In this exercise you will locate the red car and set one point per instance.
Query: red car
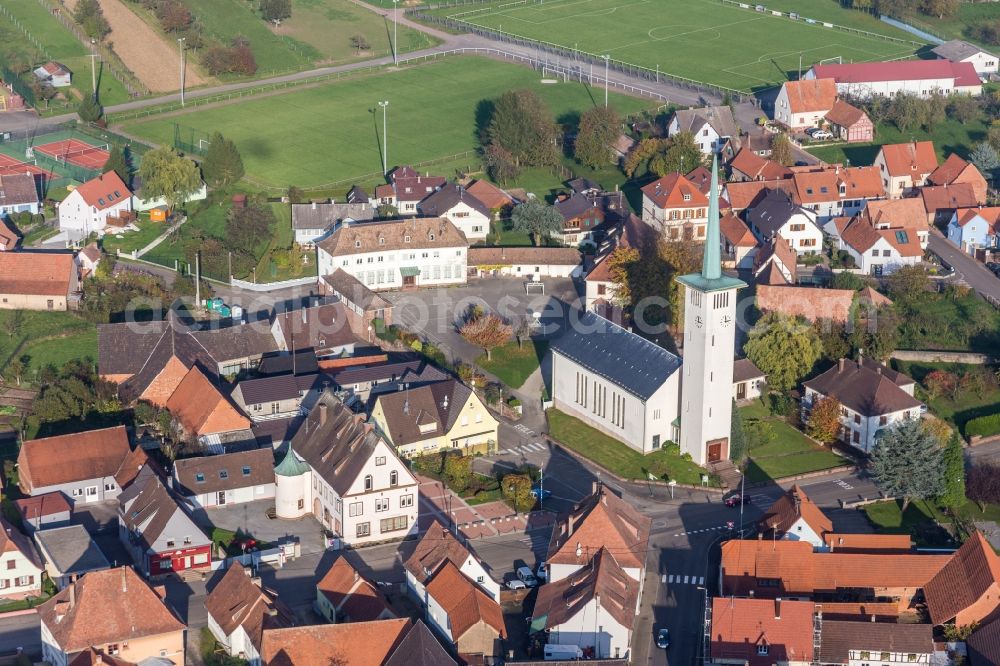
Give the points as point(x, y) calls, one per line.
point(737, 500)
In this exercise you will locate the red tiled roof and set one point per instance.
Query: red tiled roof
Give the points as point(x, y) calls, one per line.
point(899, 70)
point(743, 195)
point(989, 213)
point(40, 506)
point(916, 159)
point(202, 409)
point(352, 594)
point(464, 602)
point(491, 195)
point(947, 197)
point(602, 520)
point(808, 302)
point(792, 506)
point(736, 231)
point(869, 543)
point(741, 626)
point(844, 114)
point(905, 213)
point(344, 644)
point(949, 170)
point(674, 191)
point(779, 249)
point(105, 191)
point(36, 273)
point(238, 601)
point(824, 185)
point(95, 454)
point(810, 95)
point(973, 571)
point(756, 167)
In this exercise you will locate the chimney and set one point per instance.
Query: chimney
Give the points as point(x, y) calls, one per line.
point(72, 595)
point(314, 205)
point(878, 370)
point(777, 608)
point(124, 581)
point(444, 405)
point(322, 413)
point(305, 315)
point(840, 365)
point(99, 658)
point(356, 575)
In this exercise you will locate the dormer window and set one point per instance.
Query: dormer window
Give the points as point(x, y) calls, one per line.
point(101, 201)
point(430, 236)
point(357, 243)
point(687, 197)
point(406, 239)
point(117, 193)
point(246, 470)
point(223, 474)
point(381, 241)
point(199, 477)
point(762, 649)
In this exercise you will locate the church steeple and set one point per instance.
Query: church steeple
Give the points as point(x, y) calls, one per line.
point(711, 266)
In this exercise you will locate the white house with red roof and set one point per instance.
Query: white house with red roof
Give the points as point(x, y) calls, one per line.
point(888, 79)
point(804, 103)
point(905, 166)
point(88, 207)
point(876, 251)
point(20, 565)
point(676, 207)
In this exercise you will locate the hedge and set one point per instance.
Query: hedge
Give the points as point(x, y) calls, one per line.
point(983, 426)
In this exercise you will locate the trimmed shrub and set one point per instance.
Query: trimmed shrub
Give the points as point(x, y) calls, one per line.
point(983, 426)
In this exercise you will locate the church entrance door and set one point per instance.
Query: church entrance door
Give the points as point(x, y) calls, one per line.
point(715, 450)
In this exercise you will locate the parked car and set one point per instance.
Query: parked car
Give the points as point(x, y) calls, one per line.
point(516, 584)
point(525, 576)
point(663, 639)
point(541, 573)
point(540, 493)
point(821, 134)
point(737, 500)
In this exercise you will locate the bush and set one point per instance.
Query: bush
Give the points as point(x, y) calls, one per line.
point(983, 426)
point(514, 402)
point(780, 404)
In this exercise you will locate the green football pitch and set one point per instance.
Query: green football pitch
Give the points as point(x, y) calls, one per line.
point(705, 40)
point(325, 134)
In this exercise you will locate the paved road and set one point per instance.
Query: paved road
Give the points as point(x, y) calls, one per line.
point(967, 269)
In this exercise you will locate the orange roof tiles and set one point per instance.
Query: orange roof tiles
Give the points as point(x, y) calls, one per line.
point(972, 573)
point(95, 454)
point(352, 594)
point(949, 170)
point(202, 409)
point(755, 167)
point(792, 506)
point(906, 213)
point(736, 231)
point(822, 186)
point(491, 195)
point(345, 644)
point(238, 601)
point(109, 606)
point(810, 95)
point(916, 159)
point(989, 213)
point(105, 191)
point(868, 543)
point(464, 602)
point(808, 302)
point(844, 114)
point(602, 520)
point(36, 273)
point(740, 627)
point(947, 197)
point(743, 195)
point(674, 191)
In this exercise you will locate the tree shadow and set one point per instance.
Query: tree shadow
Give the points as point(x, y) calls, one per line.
point(483, 115)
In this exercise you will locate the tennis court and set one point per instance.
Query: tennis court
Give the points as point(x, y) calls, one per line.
point(725, 44)
point(75, 151)
point(10, 166)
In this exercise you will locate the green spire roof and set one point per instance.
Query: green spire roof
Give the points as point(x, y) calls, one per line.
point(711, 265)
point(711, 277)
point(291, 465)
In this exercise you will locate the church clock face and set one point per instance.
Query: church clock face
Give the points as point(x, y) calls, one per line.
point(698, 322)
point(727, 320)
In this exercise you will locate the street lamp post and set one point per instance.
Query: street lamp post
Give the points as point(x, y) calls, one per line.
point(607, 64)
point(385, 140)
point(395, 22)
point(180, 47)
point(743, 482)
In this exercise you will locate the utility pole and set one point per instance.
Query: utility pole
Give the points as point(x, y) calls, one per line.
point(93, 72)
point(800, 67)
point(385, 140)
point(197, 279)
point(395, 21)
point(180, 46)
point(607, 62)
point(743, 483)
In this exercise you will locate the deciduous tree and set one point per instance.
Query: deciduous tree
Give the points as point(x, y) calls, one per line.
point(824, 420)
point(13, 324)
point(940, 383)
point(982, 485)
point(781, 149)
point(167, 174)
point(500, 163)
point(737, 439)
point(599, 128)
point(516, 489)
point(522, 123)
point(908, 284)
point(275, 10)
point(90, 110)
point(906, 463)
point(784, 348)
point(953, 494)
point(223, 164)
point(488, 331)
point(458, 472)
point(537, 219)
point(117, 162)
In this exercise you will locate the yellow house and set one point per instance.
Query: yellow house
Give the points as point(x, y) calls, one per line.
point(435, 417)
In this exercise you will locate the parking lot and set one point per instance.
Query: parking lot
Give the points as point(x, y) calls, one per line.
point(435, 312)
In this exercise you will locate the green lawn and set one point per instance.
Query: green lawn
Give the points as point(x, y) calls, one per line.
point(60, 43)
point(619, 458)
point(947, 323)
point(920, 520)
point(328, 26)
point(790, 452)
point(292, 138)
point(704, 40)
point(231, 541)
point(957, 26)
point(57, 351)
point(964, 405)
point(211, 220)
point(512, 364)
point(36, 327)
point(134, 240)
point(950, 136)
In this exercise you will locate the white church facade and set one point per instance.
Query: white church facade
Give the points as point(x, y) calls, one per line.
point(641, 394)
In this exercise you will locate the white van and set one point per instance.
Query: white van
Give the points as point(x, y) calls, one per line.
point(562, 652)
point(524, 574)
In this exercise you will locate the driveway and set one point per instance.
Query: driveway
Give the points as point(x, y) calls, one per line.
point(966, 268)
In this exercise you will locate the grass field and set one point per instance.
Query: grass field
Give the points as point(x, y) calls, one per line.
point(512, 364)
point(57, 351)
point(46, 337)
point(325, 134)
point(705, 40)
point(964, 405)
point(790, 452)
point(957, 26)
point(60, 43)
point(616, 456)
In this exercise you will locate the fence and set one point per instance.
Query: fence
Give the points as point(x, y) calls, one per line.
point(580, 57)
point(111, 60)
point(825, 24)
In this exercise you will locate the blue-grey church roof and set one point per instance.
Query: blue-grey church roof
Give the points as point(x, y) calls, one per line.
point(619, 356)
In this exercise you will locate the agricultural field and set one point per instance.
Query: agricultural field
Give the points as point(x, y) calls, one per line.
point(705, 40)
point(291, 139)
point(60, 44)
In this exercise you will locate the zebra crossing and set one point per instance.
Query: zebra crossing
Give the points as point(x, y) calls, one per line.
point(534, 447)
point(677, 579)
